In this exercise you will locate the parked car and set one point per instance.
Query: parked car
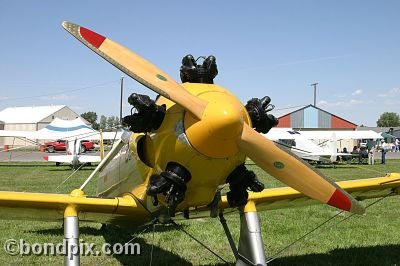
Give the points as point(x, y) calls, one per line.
point(61, 145)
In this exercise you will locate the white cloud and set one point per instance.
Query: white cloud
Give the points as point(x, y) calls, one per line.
point(394, 92)
point(294, 62)
point(353, 101)
point(349, 103)
point(392, 102)
point(341, 95)
point(3, 98)
point(76, 108)
point(357, 92)
point(344, 95)
point(60, 97)
point(314, 60)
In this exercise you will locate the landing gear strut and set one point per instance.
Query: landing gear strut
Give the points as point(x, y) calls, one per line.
point(71, 237)
point(250, 250)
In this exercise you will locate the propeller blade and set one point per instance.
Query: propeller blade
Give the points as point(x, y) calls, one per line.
point(295, 172)
point(137, 68)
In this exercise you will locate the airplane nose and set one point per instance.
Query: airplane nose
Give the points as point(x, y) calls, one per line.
point(224, 120)
point(216, 134)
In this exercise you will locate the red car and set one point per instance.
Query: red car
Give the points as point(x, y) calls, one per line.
point(60, 145)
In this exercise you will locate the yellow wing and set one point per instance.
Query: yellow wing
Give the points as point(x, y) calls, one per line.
point(361, 189)
point(42, 206)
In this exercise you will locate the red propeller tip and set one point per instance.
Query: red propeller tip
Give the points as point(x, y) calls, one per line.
point(91, 37)
point(340, 200)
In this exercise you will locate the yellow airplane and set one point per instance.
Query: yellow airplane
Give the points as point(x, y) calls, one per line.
point(186, 145)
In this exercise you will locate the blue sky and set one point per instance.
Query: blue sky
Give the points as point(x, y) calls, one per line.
point(275, 48)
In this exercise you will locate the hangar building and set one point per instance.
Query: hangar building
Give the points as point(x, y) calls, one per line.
point(31, 118)
point(312, 117)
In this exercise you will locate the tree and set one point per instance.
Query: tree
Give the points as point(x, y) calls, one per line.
point(112, 122)
point(91, 117)
point(388, 119)
point(103, 122)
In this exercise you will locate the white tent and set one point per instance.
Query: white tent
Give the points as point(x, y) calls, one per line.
point(66, 129)
point(62, 129)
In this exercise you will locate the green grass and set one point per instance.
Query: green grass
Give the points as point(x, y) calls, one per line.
point(370, 239)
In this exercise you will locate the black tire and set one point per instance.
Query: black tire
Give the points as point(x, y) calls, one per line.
point(58, 163)
point(50, 149)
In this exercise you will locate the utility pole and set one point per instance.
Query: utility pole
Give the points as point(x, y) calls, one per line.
point(315, 92)
point(120, 104)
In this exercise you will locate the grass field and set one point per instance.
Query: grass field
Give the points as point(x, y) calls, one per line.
point(370, 239)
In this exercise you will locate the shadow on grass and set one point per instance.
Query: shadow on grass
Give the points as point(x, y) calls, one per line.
point(374, 255)
point(347, 166)
point(148, 252)
point(86, 230)
point(68, 168)
point(114, 234)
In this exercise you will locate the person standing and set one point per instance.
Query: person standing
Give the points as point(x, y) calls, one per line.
point(384, 147)
point(371, 156)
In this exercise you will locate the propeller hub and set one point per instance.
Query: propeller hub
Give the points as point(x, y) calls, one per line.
point(216, 134)
point(224, 121)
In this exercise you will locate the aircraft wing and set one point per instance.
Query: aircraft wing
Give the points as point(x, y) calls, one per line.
point(281, 133)
point(51, 207)
point(341, 134)
point(290, 133)
point(93, 136)
point(69, 158)
point(299, 145)
point(59, 158)
point(89, 158)
point(112, 135)
point(361, 189)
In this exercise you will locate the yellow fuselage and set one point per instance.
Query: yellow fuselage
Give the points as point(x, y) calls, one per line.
point(207, 148)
